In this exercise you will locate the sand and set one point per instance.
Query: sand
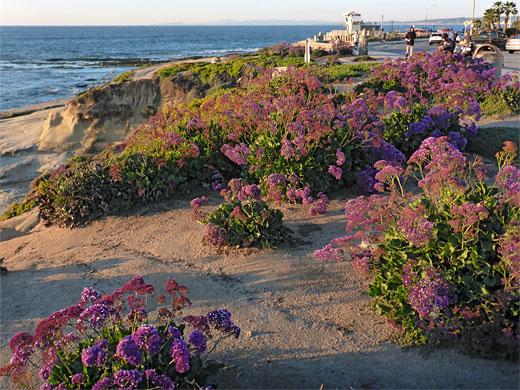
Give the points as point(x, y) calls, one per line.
point(304, 324)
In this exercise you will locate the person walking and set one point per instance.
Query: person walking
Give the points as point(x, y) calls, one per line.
point(410, 40)
point(356, 40)
point(384, 37)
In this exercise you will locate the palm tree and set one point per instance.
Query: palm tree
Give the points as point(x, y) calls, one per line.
point(489, 18)
point(477, 24)
point(509, 9)
point(498, 8)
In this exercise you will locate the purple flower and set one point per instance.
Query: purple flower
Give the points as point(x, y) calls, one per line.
point(236, 185)
point(217, 182)
point(127, 349)
point(275, 180)
point(78, 379)
point(198, 341)
point(237, 154)
point(164, 383)
point(466, 217)
point(127, 379)
point(199, 202)
point(320, 206)
point(47, 386)
point(22, 341)
point(93, 356)
point(161, 381)
point(45, 373)
point(89, 295)
point(181, 356)
point(415, 227)
point(330, 252)
point(173, 333)
point(250, 192)
point(138, 286)
point(104, 384)
point(287, 150)
point(221, 320)
point(436, 133)
point(363, 262)
point(471, 128)
point(291, 194)
point(336, 172)
point(103, 344)
point(147, 337)
point(96, 315)
point(198, 322)
point(213, 236)
point(429, 295)
point(340, 158)
point(419, 127)
point(366, 180)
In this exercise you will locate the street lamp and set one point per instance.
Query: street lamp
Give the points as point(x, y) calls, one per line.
point(426, 17)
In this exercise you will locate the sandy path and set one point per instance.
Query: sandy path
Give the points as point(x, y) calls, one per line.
point(305, 324)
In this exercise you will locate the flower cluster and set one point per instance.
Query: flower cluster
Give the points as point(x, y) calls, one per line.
point(112, 354)
point(453, 246)
point(244, 219)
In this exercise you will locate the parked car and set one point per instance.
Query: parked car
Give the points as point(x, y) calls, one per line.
point(436, 37)
point(513, 44)
point(496, 38)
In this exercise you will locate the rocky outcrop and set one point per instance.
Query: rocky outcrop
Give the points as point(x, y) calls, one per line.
point(112, 112)
point(101, 115)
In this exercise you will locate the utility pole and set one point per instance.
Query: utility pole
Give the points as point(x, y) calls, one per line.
point(472, 19)
point(426, 16)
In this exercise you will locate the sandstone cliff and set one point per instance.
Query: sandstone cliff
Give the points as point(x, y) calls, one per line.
point(111, 112)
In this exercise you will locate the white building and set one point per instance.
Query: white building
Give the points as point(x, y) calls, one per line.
point(354, 22)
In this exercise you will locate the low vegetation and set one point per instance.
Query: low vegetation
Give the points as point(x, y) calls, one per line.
point(442, 258)
point(107, 342)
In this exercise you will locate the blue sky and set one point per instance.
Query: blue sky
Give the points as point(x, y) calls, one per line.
point(146, 12)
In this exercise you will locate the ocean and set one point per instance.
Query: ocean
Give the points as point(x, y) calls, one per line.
point(40, 64)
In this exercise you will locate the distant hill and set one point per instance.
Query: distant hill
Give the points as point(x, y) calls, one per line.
point(286, 22)
point(267, 22)
point(437, 22)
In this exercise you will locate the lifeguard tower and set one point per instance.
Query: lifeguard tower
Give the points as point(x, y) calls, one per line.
point(353, 21)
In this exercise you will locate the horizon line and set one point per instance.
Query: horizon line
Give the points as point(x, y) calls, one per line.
point(234, 23)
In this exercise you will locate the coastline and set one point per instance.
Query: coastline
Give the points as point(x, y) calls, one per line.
point(26, 110)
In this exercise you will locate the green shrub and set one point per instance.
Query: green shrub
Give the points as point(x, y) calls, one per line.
point(407, 127)
point(445, 262)
point(123, 77)
point(244, 219)
point(19, 208)
point(501, 102)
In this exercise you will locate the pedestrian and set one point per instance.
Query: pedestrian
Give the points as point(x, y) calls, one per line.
point(447, 45)
point(356, 40)
point(384, 37)
point(454, 37)
point(410, 40)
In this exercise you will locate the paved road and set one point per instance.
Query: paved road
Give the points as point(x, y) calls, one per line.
point(397, 49)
